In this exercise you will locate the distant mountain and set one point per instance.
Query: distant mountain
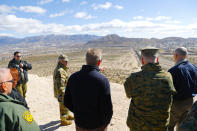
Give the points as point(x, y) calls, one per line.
point(48, 40)
point(115, 40)
point(96, 41)
point(4, 40)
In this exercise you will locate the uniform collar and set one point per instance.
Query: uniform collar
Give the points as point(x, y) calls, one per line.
point(60, 65)
point(151, 67)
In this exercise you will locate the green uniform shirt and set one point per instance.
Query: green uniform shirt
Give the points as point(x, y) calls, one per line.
point(60, 78)
point(151, 91)
point(14, 116)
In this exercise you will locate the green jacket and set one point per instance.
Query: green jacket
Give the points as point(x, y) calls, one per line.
point(151, 91)
point(60, 78)
point(14, 116)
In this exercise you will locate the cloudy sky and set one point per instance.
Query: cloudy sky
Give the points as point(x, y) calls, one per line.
point(129, 18)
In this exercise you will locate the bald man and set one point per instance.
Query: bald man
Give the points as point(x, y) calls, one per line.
point(14, 116)
point(184, 76)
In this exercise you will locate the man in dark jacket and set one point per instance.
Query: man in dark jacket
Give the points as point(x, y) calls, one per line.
point(185, 82)
point(22, 67)
point(88, 95)
point(14, 116)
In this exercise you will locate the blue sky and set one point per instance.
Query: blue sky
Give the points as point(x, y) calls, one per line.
point(129, 18)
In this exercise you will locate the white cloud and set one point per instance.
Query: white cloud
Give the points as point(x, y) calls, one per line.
point(149, 18)
point(42, 2)
point(83, 15)
point(133, 28)
point(57, 15)
point(138, 17)
point(65, 1)
point(60, 13)
point(119, 7)
point(32, 9)
point(83, 3)
point(6, 9)
point(107, 5)
point(173, 22)
point(5, 34)
point(27, 9)
point(158, 18)
point(162, 18)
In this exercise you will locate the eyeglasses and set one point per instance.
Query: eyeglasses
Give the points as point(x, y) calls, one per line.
point(18, 56)
point(7, 81)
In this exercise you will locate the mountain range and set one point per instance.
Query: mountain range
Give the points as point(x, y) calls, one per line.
point(97, 41)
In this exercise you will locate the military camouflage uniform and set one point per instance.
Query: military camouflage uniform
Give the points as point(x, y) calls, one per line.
point(190, 123)
point(60, 79)
point(151, 91)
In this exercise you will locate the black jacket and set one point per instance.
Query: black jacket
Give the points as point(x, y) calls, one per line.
point(88, 96)
point(16, 96)
point(184, 77)
point(26, 66)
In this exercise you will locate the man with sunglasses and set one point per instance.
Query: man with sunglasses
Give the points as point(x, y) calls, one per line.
point(14, 116)
point(22, 67)
point(60, 78)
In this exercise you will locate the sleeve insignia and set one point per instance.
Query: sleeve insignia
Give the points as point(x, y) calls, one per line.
point(28, 117)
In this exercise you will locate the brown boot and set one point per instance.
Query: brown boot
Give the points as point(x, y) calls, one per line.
point(70, 117)
point(66, 122)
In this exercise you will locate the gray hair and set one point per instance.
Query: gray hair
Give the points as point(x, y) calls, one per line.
point(93, 56)
point(182, 51)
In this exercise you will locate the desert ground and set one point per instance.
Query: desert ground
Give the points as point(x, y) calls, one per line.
point(117, 63)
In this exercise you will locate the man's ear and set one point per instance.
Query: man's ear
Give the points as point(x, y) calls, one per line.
point(99, 62)
point(3, 87)
point(142, 59)
point(157, 60)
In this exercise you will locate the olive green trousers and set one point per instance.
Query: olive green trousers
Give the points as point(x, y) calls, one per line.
point(22, 89)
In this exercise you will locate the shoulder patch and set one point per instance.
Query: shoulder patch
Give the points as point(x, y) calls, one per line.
point(28, 117)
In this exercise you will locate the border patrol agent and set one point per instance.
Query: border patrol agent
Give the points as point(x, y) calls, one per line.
point(14, 116)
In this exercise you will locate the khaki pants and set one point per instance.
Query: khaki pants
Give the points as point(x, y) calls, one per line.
point(179, 112)
point(103, 128)
point(22, 89)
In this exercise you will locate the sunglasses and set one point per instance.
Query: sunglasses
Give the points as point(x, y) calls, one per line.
point(18, 56)
point(7, 81)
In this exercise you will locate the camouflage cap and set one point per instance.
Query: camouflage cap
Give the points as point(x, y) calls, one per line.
point(149, 51)
point(63, 57)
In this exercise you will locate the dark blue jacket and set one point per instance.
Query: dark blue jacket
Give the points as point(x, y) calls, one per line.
point(88, 96)
point(185, 79)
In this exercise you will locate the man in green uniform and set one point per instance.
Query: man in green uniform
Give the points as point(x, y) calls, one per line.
point(60, 78)
point(151, 93)
point(14, 116)
point(190, 123)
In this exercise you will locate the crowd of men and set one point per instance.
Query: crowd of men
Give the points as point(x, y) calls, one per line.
point(160, 100)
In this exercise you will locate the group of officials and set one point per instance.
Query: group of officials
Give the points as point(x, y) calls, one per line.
point(159, 100)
